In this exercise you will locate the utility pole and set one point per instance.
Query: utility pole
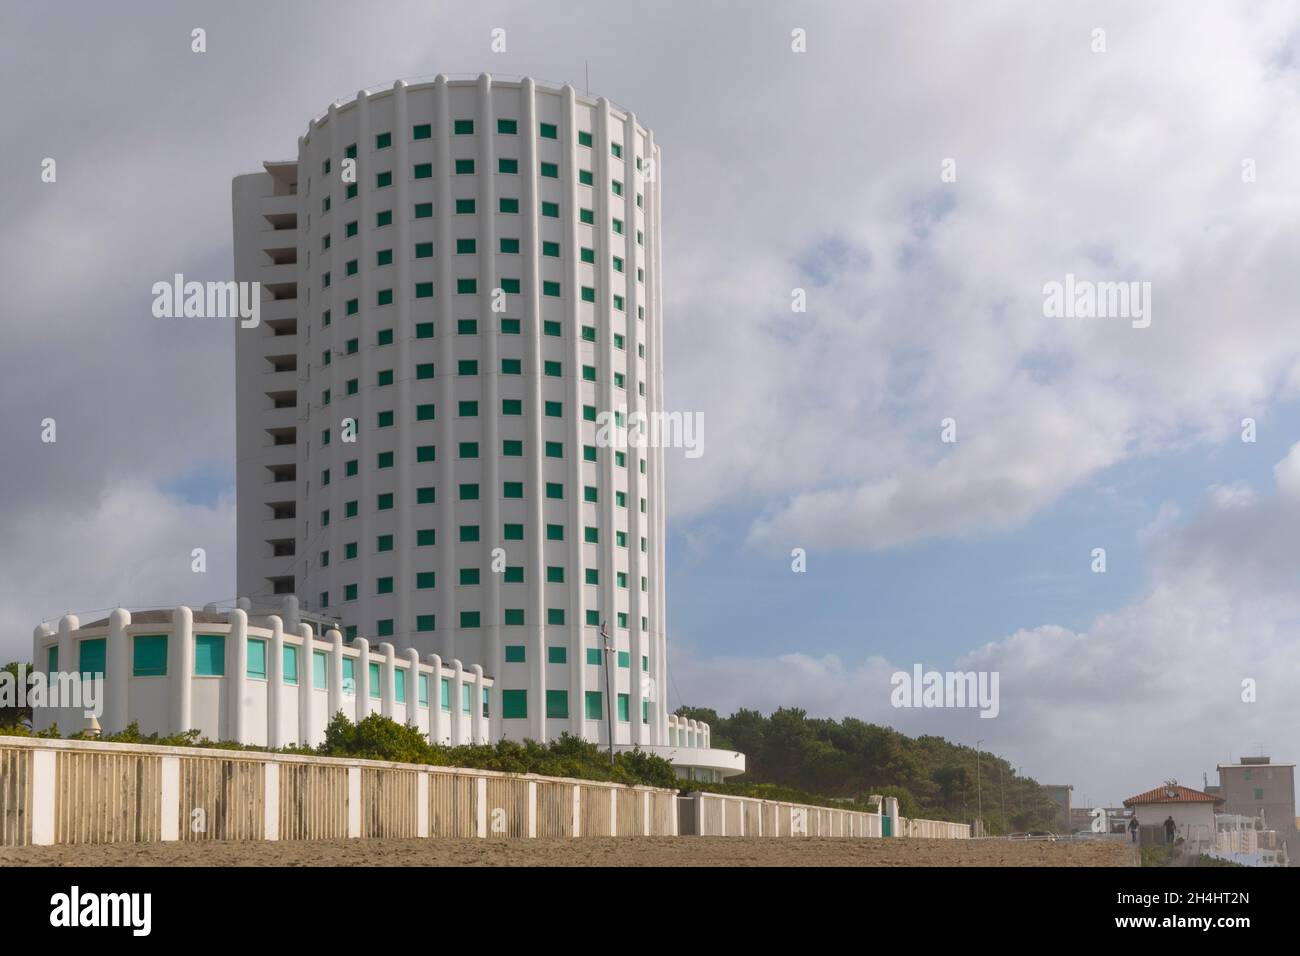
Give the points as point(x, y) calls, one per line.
point(609, 693)
point(979, 793)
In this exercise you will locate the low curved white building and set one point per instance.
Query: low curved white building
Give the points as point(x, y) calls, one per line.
point(267, 681)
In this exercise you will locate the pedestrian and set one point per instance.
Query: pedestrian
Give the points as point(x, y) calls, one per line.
point(1133, 828)
point(1170, 829)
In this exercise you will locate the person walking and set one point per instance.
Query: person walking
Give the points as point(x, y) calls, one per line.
point(1133, 828)
point(1170, 829)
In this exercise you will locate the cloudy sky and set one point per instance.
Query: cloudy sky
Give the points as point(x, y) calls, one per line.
point(818, 171)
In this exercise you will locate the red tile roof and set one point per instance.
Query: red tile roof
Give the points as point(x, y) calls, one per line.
point(1173, 795)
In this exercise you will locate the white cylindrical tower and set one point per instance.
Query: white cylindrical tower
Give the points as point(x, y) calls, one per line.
point(478, 294)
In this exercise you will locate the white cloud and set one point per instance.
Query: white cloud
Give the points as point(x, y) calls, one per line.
point(131, 546)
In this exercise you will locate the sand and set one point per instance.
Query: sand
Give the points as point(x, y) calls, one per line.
point(624, 851)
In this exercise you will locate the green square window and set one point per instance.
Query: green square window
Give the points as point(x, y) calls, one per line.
point(469, 618)
point(425, 537)
point(256, 660)
point(466, 286)
point(422, 131)
point(510, 286)
point(385, 419)
point(555, 532)
point(464, 207)
point(209, 656)
point(467, 326)
point(512, 366)
point(349, 592)
point(555, 616)
point(383, 180)
point(584, 139)
point(384, 542)
point(587, 255)
point(425, 622)
point(551, 210)
point(149, 655)
point(557, 701)
point(462, 127)
point(593, 655)
point(595, 705)
point(507, 127)
point(424, 580)
point(384, 377)
point(424, 210)
point(555, 489)
point(585, 177)
point(551, 328)
point(467, 367)
point(514, 704)
point(507, 166)
point(468, 492)
point(422, 171)
point(349, 552)
point(557, 655)
point(514, 575)
point(551, 289)
point(466, 247)
point(509, 326)
point(590, 535)
point(508, 205)
point(551, 249)
point(425, 496)
point(513, 532)
point(552, 369)
point(350, 230)
point(624, 659)
point(424, 413)
point(514, 652)
point(555, 574)
point(468, 449)
point(510, 246)
point(623, 707)
point(548, 131)
point(512, 406)
point(384, 218)
point(591, 576)
point(399, 685)
point(512, 448)
point(512, 489)
point(383, 140)
point(469, 532)
point(550, 170)
point(384, 502)
point(587, 217)
point(464, 167)
point(555, 449)
point(384, 586)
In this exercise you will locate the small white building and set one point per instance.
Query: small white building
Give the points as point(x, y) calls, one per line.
point(1192, 812)
point(259, 680)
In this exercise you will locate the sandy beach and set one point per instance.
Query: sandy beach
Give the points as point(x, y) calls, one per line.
point(624, 851)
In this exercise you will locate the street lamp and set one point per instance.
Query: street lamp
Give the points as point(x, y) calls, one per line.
point(979, 793)
point(609, 693)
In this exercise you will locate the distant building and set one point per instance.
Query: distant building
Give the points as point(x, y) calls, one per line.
point(1192, 811)
point(1059, 794)
point(1256, 787)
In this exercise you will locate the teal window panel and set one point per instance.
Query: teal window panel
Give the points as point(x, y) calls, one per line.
point(399, 685)
point(256, 660)
point(209, 655)
point(91, 656)
point(374, 681)
point(514, 704)
point(149, 655)
point(349, 676)
point(319, 671)
point(290, 662)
